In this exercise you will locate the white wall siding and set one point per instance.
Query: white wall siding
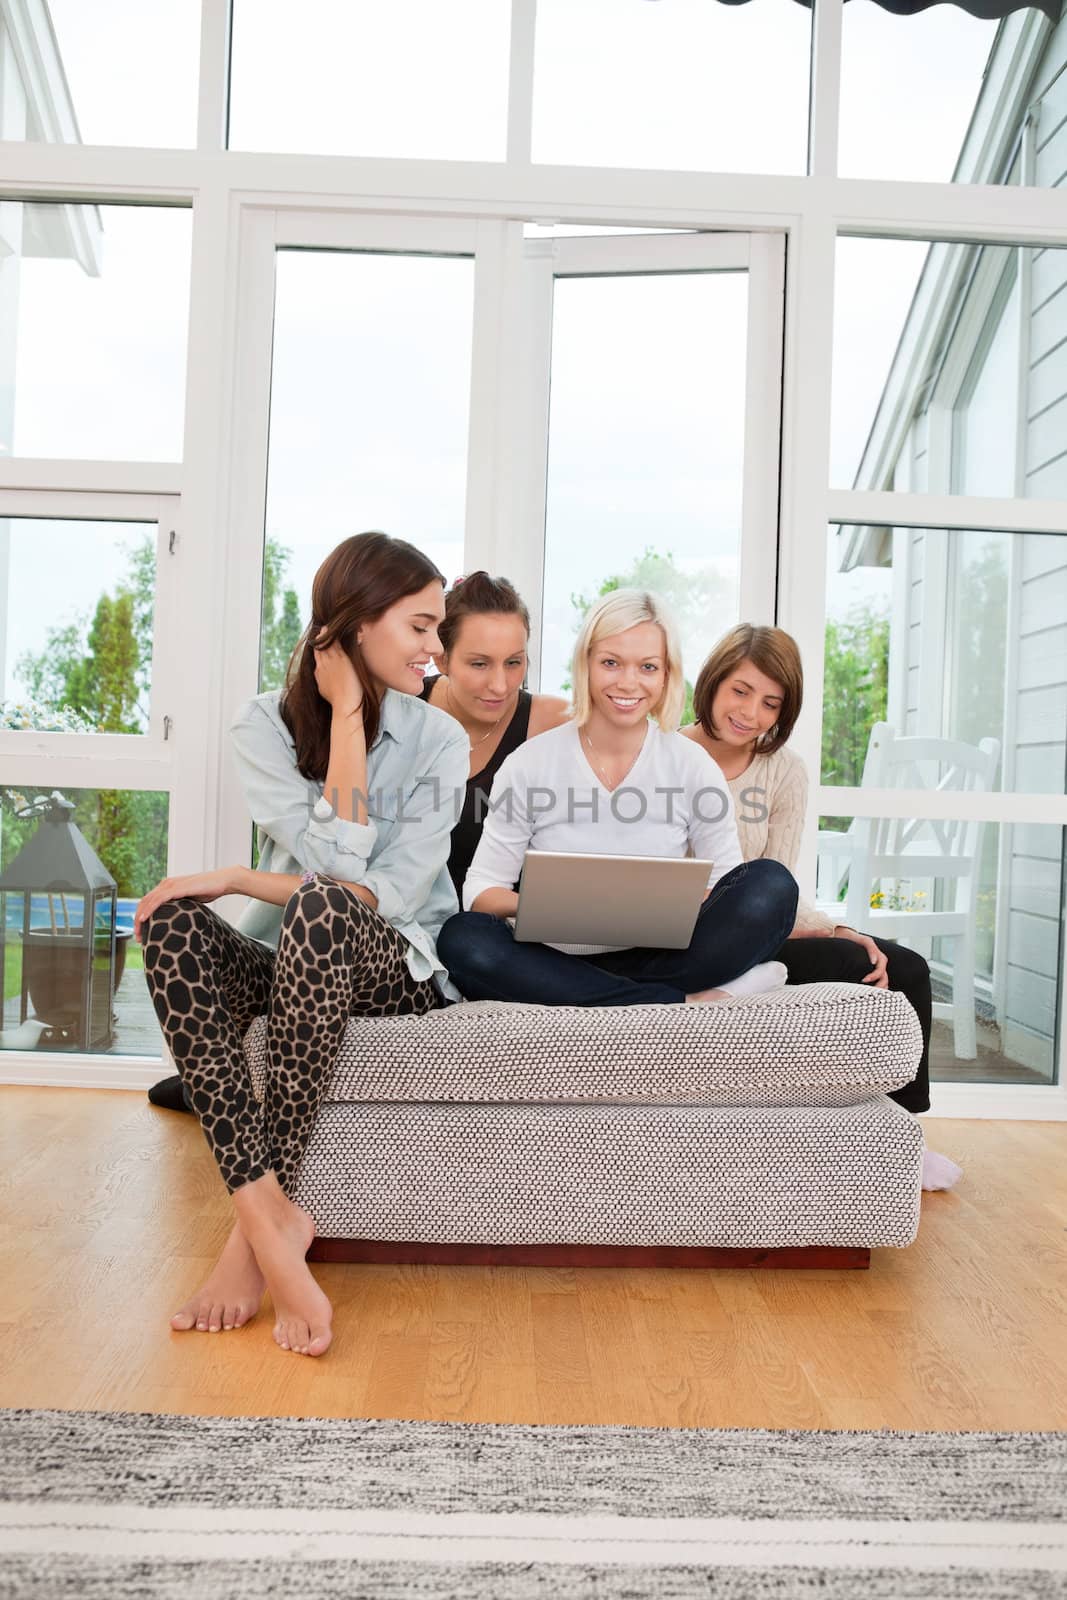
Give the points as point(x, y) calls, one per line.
point(1030, 890)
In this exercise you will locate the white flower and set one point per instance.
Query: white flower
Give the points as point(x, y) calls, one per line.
point(32, 714)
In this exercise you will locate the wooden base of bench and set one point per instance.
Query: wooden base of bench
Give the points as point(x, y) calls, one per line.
point(586, 1255)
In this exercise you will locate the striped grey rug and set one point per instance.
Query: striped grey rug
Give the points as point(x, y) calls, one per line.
point(107, 1506)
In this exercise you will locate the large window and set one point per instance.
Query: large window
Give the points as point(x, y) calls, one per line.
point(620, 83)
point(358, 78)
point(76, 622)
point(582, 292)
point(94, 309)
point(370, 394)
point(937, 349)
point(646, 453)
point(983, 903)
point(957, 635)
point(94, 687)
point(958, 119)
point(73, 866)
point(99, 71)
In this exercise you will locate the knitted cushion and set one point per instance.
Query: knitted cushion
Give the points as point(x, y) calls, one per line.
point(819, 1044)
point(637, 1175)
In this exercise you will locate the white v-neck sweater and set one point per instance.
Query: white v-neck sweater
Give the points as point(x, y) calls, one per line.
point(674, 801)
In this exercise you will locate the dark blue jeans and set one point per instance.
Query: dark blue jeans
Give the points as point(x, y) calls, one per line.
point(745, 920)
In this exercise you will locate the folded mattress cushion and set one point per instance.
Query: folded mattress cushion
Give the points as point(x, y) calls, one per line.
point(819, 1044)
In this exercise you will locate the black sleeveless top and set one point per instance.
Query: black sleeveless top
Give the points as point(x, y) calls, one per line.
point(468, 829)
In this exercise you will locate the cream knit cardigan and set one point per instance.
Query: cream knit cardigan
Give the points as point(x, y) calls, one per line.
point(770, 798)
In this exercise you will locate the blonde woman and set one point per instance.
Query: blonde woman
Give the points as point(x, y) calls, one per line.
point(621, 740)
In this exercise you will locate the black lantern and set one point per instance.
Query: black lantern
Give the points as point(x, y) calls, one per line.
point(67, 929)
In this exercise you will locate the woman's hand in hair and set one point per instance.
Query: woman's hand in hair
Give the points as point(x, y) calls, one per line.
point(337, 680)
point(878, 975)
point(193, 886)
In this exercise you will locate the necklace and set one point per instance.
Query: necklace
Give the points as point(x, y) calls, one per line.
point(474, 742)
point(600, 769)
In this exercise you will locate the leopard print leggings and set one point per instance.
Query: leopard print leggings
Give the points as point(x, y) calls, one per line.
point(336, 958)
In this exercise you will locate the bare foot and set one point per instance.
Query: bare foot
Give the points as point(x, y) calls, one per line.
point(706, 997)
point(280, 1234)
point(231, 1295)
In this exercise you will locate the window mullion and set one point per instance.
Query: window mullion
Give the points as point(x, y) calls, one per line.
point(521, 81)
point(824, 107)
point(213, 103)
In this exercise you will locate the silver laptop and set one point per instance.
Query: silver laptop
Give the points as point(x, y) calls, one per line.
point(566, 898)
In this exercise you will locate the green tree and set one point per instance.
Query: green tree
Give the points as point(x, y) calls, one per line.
point(855, 693)
point(99, 666)
point(141, 583)
point(95, 674)
point(106, 687)
point(282, 626)
point(46, 675)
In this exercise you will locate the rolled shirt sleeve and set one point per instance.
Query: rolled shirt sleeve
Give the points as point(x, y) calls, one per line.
point(282, 802)
point(405, 869)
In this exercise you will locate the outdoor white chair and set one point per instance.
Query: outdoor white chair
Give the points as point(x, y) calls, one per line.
point(941, 855)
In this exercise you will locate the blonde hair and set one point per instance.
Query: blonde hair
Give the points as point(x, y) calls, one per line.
point(618, 611)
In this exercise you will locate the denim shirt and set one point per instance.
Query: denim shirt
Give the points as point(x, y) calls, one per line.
point(416, 768)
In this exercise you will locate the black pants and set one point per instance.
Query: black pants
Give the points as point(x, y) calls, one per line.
point(738, 926)
point(844, 961)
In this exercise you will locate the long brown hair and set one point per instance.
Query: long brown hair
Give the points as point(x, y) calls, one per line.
point(356, 583)
point(774, 652)
point(479, 595)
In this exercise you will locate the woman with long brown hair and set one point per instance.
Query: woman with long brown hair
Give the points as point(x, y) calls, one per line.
point(350, 779)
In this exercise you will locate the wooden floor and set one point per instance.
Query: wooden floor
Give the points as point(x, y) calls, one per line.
point(112, 1213)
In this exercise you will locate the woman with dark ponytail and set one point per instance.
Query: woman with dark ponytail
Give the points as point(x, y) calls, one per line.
point(483, 663)
point(351, 781)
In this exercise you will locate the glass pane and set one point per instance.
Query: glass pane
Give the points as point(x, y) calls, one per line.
point(94, 310)
point(963, 114)
point(982, 902)
point(76, 612)
point(646, 444)
point(68, 986)
point(109, 72)
point(948, 636)
point(411, 78)
point(370, 399)
point(986, 411)
point(936, 348)
point(682, 84)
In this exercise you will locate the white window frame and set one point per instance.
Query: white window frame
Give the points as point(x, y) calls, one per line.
point(265, 231)
point(225, 189)
point(520, 546)
point(166, 759)
point(154, 748)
